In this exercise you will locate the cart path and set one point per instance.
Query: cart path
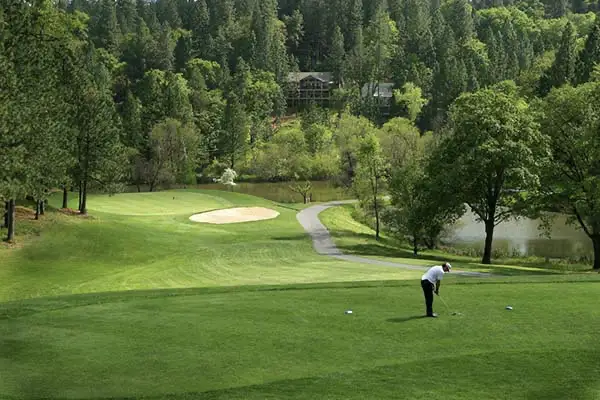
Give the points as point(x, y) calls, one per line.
point(323, 243)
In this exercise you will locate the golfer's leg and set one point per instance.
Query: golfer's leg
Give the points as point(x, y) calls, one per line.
point(428, 292)
point(431, 290)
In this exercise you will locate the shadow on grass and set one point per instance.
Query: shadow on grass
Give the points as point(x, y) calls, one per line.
point(290, 238)
point(406, 319)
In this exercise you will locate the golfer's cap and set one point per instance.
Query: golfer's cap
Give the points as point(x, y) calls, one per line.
point(448, 265)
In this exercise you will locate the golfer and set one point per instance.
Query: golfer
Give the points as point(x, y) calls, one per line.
point(430, 282)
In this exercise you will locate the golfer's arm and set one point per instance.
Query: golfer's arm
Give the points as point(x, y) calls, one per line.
point(437, 286)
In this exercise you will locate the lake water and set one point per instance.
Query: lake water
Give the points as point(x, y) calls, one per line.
point(523, 237)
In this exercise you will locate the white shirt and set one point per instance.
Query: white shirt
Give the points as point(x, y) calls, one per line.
point(434, 274)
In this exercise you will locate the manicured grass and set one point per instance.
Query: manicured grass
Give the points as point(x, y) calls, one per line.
point(114, 252)
point(217, 330)
point(352, 237)
point(158, 203)
point(297, 343)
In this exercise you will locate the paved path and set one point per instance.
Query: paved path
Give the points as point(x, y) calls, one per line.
point(323, 243)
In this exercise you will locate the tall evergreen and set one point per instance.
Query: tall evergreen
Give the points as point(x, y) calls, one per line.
point(127, 15)
point(168, 11)
point(183, 51)
point(337, 55)
point(562, 70)
point(511, 49)
point(355, 23)
point(589, 55)
point(105, 31)
point(200, 28)
point(458, 14)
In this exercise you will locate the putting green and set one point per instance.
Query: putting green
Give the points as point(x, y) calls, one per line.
point(298, 344)
point(154, 204)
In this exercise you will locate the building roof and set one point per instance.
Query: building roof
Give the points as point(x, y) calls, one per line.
point(299, 76)
point(385, 89)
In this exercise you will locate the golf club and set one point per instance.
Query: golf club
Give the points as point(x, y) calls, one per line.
point(448, 308)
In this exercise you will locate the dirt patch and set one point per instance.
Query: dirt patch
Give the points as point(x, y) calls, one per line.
point(235, 215)
point(23, 213)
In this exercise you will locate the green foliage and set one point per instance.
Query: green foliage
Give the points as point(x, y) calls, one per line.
point(370, 180)
point(495, 152)
point(174, 153)
point(417, 211)
point(563, 69)
point(571, 180)
point(411, 98)
point(589, 56)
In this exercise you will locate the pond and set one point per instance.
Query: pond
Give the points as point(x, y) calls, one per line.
point(522, 237)
point(280, 191)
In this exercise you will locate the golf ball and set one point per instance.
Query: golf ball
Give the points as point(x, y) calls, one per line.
point(348, 311)
point(508, 307)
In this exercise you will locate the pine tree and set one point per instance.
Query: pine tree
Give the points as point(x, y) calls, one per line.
point(131, 120)
point(357, 61)
point(526, 52)
point(138, 52)
point(127, 15)
point(164, 58)
point(438, 32)
point(355, 22)
point(183, 51)
point(457, 14)
point(167, 11)
point(337, 55)
point(235, 136)
point(262, 28)
point(557, 8)
point(497, 56)
point(105, 29)
point(177, 98)
point(200, 28)
point(562, 70)
point(511, 48)
point(589, 55)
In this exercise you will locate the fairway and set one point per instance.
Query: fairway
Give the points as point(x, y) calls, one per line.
point(142, 303)
point(115, 252)
point(298, 343)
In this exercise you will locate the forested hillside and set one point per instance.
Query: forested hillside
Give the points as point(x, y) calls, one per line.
point(100, 94)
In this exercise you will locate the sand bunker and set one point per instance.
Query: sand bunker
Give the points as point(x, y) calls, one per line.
point(234, 215)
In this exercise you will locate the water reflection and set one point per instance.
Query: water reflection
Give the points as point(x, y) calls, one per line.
point(522, 237)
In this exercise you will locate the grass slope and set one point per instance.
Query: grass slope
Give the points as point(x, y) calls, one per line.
point(116, 251)
point(352, 237)
point(156, 203)
point(298, 343)
point(270, 342)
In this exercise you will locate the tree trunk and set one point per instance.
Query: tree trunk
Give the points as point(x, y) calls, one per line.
point(37, 210)
point(11, 221)
point(42, 207)
point(376, 219)
point(65, 202)
point(489, 238)
point(83, 208)
point(415, 246)
point(596, 242)
point(5, 215)
point(80, 195)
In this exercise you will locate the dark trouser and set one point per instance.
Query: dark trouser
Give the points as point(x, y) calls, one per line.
point(428, 292)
